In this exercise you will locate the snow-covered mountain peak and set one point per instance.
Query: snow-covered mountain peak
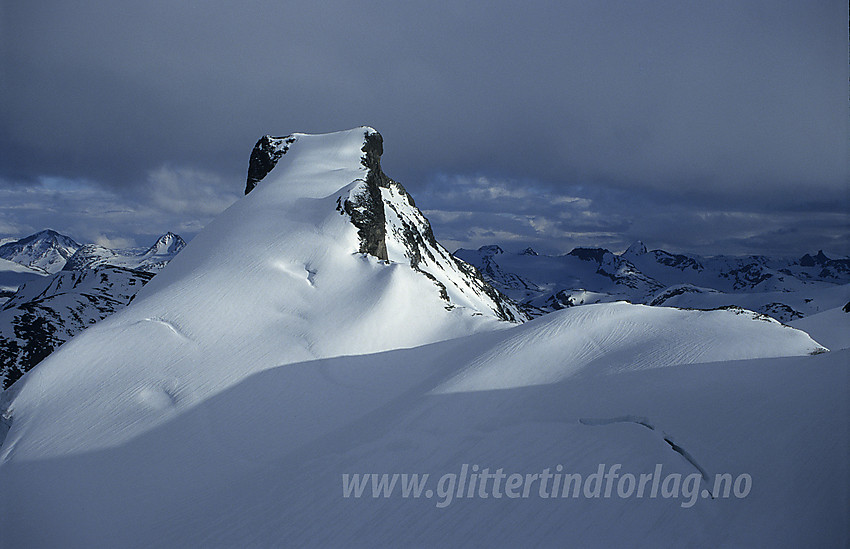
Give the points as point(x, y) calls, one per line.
point(168, 244)
point(818, 259)
point(347, 165)
point(636, 249)
point(45, 250)
point(491, 250)
point(283, 276)
point(311, 154)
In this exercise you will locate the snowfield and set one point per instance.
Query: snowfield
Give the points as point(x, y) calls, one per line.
point(13, 276)
point(831, 327)
point(224, 405)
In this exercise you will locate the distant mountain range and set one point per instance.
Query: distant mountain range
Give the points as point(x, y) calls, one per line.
point(784, 289)
point(151, 259)
point(54, 288)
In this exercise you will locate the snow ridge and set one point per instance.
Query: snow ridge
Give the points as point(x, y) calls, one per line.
point(152, 259)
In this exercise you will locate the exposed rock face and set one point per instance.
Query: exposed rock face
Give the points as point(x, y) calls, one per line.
point(677, 290)
point(366, 208)
point(678, 261)
point(748, 276)
point(830, 269)
point(264, 157)
point(590, 254)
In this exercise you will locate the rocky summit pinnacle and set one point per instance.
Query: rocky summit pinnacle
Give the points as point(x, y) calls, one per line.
point(389, 225)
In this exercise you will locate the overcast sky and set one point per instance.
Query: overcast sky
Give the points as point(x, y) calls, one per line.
point(712, 127)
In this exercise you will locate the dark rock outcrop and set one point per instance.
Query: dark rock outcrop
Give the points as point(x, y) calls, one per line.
point(264, 157)
point(366, 209)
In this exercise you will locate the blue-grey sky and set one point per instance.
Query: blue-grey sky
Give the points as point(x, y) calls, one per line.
point(713, 127)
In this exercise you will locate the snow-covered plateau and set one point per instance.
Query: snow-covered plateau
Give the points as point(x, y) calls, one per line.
point(235, 398)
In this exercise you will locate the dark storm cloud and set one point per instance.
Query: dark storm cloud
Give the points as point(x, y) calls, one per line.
point(694, 108)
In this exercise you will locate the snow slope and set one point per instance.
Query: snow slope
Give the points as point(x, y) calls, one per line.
point(616, 337)
point(260, 463)
point(831, 328)
point(14, 275)
point(223, 405)
point(275, 279)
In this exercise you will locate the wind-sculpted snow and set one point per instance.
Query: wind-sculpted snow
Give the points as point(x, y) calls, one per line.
point(619, 337)
point(273, 355)
point(268, 452)
point(831, 327)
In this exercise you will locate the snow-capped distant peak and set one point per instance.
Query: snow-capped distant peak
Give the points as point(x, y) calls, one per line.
point(819, 259)
point(45, 250)
point(528, 251)
point(151, 260)
point(167, 244)
point(491, 250)
point(637, 248)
